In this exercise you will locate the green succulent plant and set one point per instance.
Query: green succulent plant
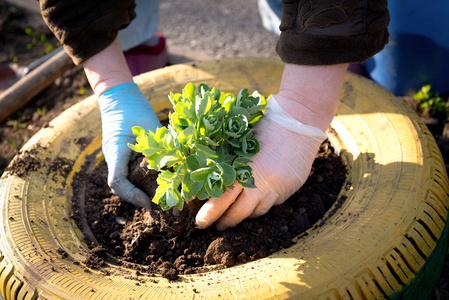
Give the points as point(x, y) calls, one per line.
point(206, 147)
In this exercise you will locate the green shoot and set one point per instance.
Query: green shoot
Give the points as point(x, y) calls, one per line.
point(42, 111)
point(437, 106)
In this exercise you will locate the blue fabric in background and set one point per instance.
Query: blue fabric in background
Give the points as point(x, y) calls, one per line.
point(418, 51)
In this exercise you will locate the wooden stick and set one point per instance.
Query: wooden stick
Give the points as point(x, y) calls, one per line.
point(33, 83)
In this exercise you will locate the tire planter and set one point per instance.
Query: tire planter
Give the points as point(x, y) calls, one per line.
point(387, 240)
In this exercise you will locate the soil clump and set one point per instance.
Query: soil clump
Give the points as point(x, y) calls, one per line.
point(168, 242)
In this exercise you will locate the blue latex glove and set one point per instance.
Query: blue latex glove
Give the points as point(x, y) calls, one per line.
point(123, 107)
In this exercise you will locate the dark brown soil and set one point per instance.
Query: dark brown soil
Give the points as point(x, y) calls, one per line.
point(154, 240)
point(21, 48)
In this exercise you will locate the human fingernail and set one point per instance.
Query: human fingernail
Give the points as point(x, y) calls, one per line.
point(201, 223)
point(222, 227)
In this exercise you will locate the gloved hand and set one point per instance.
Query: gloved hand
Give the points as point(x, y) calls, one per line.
point(288, 149)
point(123, 107)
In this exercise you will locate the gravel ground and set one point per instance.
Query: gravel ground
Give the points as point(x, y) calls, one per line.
point(215, 29)
point(206, 29)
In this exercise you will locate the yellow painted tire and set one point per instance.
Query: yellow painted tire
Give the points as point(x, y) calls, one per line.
point(378, 244)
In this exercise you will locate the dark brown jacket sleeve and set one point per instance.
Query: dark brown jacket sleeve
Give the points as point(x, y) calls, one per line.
point(323, 32)
point(85, 27)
